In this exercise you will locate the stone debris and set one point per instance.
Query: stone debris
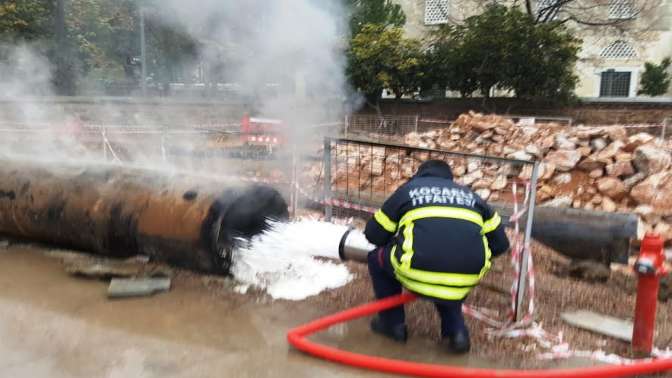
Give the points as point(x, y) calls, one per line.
point(137, 287)
point(606, 325)
point(627, 171)
point(82, 265)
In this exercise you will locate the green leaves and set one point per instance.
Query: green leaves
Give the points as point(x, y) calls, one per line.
point(501, 48)
point(25, 20)
point(656, 79)
point(377, 12)
point(381, 57)
point(504, 48)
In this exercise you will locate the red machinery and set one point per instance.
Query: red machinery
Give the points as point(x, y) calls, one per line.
point(262, 133)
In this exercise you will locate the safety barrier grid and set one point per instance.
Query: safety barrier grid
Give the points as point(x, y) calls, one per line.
point(387, 126)
point(531, 120)
point(380, 126)
point(361, 174)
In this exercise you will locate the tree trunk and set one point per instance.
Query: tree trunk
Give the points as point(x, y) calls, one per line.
point(64, 75)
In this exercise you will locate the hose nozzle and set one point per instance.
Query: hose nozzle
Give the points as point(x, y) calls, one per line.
point(354, 246)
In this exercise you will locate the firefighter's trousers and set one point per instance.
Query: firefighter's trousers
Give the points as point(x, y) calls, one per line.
point(385, 284)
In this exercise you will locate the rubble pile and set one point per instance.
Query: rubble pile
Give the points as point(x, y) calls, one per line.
point(601, 168)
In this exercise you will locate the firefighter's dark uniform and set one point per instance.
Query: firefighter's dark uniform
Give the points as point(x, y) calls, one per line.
point(436, 239)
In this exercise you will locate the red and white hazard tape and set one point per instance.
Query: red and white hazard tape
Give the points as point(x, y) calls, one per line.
point(108, 146)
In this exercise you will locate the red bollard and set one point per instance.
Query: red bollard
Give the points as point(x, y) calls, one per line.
point(649, 267)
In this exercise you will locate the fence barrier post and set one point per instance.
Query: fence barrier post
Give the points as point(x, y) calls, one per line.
point(328, 211)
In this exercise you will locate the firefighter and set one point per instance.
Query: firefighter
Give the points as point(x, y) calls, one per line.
point(435, 238)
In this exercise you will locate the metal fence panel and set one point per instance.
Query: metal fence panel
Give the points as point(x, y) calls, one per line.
point(360, 174)
point(380, 126)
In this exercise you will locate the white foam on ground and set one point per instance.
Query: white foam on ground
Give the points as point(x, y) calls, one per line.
point(282, 261)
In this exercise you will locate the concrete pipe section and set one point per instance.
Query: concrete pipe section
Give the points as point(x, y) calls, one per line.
point(120, 212)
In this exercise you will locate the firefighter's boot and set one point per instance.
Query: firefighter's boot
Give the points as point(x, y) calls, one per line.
point(395, 332)
point(458, 343)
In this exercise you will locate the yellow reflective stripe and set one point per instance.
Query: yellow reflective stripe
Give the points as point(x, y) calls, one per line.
point(442, 212)
point(407, 247)
point(385, 221)
point(434, 291)
point(492, 223)
point(488, 256)
point(436, 278)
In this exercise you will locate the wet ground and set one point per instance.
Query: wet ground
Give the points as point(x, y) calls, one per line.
point(55, 325)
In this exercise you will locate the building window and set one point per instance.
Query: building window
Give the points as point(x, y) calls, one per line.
point(619, 50)
point(621, 9)
point(436, 12)
point(615, 83)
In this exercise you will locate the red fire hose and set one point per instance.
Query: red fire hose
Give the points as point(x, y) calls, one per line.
point(297, 338)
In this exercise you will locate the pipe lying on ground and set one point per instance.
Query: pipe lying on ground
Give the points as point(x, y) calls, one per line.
point(581, 234)
point(120, 212)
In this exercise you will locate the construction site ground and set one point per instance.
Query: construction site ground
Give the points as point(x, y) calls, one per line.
point(57, 325)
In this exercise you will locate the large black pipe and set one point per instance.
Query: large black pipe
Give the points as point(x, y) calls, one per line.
point(582, 234)
point(117, 211)
point(578, 233)
point(575, 233)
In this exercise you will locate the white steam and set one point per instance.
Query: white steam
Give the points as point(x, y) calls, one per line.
point(288, 54)
point(285, 56)
point(24, 72)
point(28, 127)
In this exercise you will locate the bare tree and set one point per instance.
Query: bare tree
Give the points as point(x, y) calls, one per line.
point(630, 15)
point(592, 13)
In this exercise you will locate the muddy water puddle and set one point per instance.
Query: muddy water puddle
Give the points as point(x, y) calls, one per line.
point(54, 325)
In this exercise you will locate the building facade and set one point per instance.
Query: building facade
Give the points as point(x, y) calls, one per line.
point(612, 56)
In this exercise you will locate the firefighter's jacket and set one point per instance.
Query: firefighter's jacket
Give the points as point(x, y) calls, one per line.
point(439, 236)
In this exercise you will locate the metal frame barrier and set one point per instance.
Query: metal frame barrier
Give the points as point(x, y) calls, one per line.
point(380, 125)
point(370, 159)
point(566, 121)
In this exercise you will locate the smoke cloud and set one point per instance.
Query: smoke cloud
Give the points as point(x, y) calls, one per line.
point(28, 127)
point(285, 58)
point(286, 54)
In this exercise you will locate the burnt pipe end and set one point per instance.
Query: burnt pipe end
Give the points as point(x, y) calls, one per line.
point(240, 214)
point(248, 215)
